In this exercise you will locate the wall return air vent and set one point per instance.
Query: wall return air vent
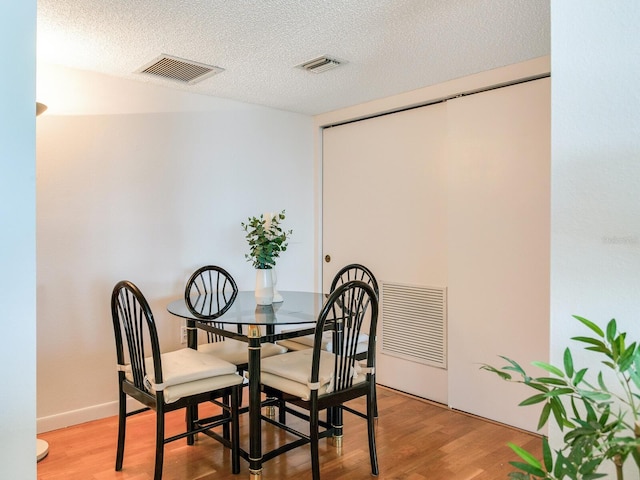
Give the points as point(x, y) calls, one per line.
point(414, 323)
point(179, 69)
point(320, 64)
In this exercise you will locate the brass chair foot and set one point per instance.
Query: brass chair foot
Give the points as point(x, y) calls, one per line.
point(270, 412)
point(337, 441)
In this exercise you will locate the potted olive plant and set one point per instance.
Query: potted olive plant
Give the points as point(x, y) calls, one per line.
point(266, 240)
point(600, 423)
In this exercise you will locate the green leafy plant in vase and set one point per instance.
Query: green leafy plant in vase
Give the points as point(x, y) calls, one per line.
point(267, 239)
point(600, 423)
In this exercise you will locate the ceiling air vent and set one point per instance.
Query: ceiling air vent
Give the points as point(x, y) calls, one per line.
point(320, 64)
point(179, 69)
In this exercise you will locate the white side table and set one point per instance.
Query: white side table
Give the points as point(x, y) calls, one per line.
point(42, 448)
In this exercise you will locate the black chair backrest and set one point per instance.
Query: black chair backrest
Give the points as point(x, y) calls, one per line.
point(209, 293)
point(355, 271)
point(133, 322)
point(346, 309)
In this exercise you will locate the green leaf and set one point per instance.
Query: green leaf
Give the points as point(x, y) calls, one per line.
point(500, 373)
point(549, 368)
point(537, 386)
point(519, 476)
point(559, 391)
point(636, 456)
point(546, 455)
point(611, 330)
point(544, 415)
point(601, 382)
point(603, 350)
point(579, 376)
point(541, 397)
point(551, 381)
point(591, 341)
point(559, 413)
point(576, 413)
point(526, 456)
point(525, 467)
point(617, 347)
point(596, 329)
point(627, 357)
point(595, 396)
point(635, 376)
point(591, 413)
point(560, 470)
point(568, 363)
point(605, 416)
point(514, 366)
point(588, 469)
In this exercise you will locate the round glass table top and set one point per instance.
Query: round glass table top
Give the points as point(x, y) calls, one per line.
point(296, 308)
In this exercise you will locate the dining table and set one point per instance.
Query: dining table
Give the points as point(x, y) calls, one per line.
point(258, 324)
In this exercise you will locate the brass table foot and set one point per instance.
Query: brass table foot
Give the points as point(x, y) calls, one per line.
point(255, 474)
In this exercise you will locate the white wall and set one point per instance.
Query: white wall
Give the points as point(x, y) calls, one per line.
point(17, 241)
point(148, 186)
point(595, 241)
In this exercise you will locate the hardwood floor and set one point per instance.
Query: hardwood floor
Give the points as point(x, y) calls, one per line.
point(417, 440)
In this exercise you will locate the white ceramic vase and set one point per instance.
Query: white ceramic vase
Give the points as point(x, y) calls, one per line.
point(277, 298)
point(264, 286)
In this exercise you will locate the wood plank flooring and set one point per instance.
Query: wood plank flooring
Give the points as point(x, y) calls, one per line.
point(417, 440)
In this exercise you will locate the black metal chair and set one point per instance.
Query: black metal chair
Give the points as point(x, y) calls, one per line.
point(209, 293)
point(354, 271)
point(170, 381)
point(315, 379)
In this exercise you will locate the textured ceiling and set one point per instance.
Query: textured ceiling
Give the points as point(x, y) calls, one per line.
point(391, 46)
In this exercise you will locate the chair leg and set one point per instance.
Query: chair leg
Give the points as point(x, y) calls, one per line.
point(159, 442)
point(236, 395)
point(371, 408)
point(191, 416)
point(337, 425)
point(225, 427)
point(282, 412)
point(122, 426)
point(314, 440)
point(190, 419)
point(375, 402)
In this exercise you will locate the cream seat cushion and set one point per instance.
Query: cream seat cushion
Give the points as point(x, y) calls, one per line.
point(291, 373)
point(306, 341)
point(188, 372)
point(237, 352)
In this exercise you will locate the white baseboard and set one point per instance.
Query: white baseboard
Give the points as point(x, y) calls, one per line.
point(82, 415)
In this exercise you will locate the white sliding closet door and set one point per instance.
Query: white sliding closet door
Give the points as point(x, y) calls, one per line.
point(499, 237)
point(453, 195)
point(384, 205)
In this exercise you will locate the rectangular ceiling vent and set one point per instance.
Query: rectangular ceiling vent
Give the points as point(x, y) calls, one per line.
point(179, 69)
point(320, 64)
